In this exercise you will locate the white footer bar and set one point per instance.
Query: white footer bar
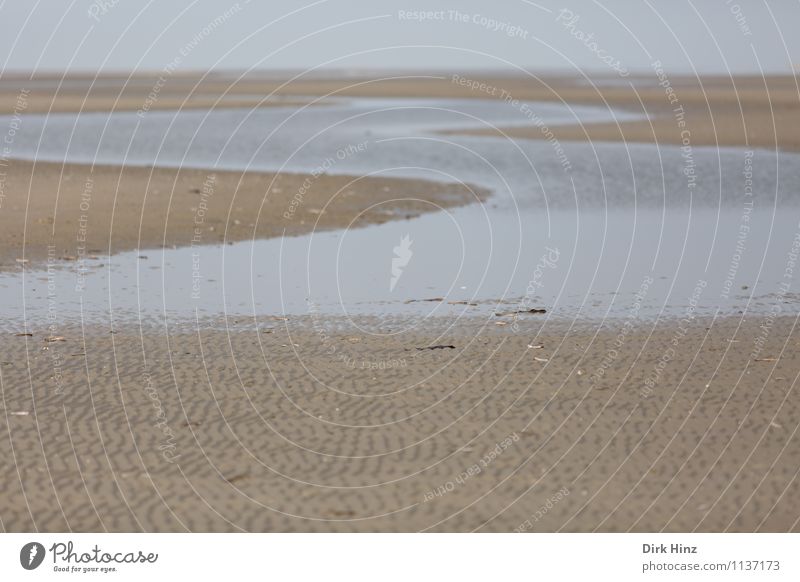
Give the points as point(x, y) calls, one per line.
point(406, 557)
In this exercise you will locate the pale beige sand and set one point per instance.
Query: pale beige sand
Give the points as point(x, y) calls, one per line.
point(270, 431)
point(738, 110)
point(105, 209)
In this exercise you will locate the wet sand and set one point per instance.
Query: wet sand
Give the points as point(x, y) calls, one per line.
point(293, 426)
point(725, 111)
point(740, 111)
point(72, 210)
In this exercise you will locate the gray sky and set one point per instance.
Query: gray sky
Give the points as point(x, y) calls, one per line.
point(627, 35)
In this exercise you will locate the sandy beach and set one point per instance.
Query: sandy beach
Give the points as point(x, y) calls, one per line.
point(313, 423)
point(277, 426)
point(718, 110)
point(79, 209)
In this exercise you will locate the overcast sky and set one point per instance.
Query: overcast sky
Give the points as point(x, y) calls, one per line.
point(626, 35)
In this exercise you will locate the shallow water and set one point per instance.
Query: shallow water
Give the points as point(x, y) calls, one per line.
point(639, 264)
point(581, 229)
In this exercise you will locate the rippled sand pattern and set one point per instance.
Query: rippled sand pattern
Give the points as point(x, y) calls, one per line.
point(286, 426)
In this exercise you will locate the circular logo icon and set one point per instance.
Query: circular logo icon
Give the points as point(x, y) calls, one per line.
point(31, 555)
